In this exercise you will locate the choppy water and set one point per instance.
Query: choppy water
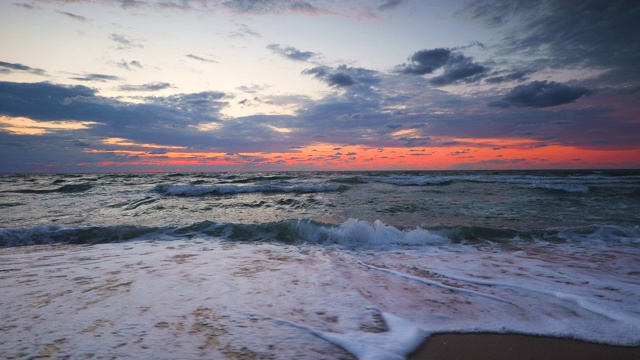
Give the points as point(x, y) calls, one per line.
point(603, 206)
point(540, 252)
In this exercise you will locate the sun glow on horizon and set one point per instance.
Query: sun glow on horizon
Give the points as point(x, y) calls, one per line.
point(473, 154)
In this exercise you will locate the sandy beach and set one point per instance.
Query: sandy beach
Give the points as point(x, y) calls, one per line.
point(517, 347)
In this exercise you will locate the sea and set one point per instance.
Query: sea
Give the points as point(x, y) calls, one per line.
point(313, 265)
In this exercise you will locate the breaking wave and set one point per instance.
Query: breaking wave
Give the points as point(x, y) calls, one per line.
point(351, 234)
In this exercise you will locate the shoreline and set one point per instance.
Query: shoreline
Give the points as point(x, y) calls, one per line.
point(477, 346)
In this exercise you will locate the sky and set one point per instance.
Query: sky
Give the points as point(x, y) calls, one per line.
point(262, 85)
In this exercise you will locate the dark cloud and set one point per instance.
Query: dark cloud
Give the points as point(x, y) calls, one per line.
point(96, 77)
point(456, 66)
point(169, 120)
point(425, 61)
point(459, 67)
point(9, 67)
point(129, 65)
point(203, 104)
point(495, 13)
point(291, 53)
point(541, 94)
point(391, 4)
point(194, 57)
point(344, 76)
point(156, 86)
point(73, 16)
point(46, 101)
point(40, 101)
point(513, 76)
point(602, 35)
point(124, 41)
point(338, 79)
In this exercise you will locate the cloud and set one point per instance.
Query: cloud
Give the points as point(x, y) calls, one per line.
point(459, 67)
point(125, 4)
point(73, 16)
point(252, 89)
point(10, 67)
point(168, 120)
point(596, 34)
point(47, 101)
point(244, 31)
point(183, 5)
point(26, 6)
point(155, 86)
point(194, 57)
point(291, 53)
point(129, 65)
point(512, 76)
point(343, 76)
point(269, 6)
point(391, 4)
point(125, 42)
point(541, 94)
point(26, 126)
point(425, 61)
point(196, 103)
point(191, 121)
point(456, 66)
point(96, 77)
point(39, 101)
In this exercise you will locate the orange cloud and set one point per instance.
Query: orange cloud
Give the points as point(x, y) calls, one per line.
point(26, 126)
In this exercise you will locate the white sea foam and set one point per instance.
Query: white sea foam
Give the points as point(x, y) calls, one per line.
point(200, 298)
point(360, 234)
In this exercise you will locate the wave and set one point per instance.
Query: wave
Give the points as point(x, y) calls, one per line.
point(8, 205)
point(200, 190)
point(68, 189)
point(54, 234)
point(570, 188)
point(354, 180)
point(573, 184)
point(413, 180)
point(254, 179)
point(351, 234)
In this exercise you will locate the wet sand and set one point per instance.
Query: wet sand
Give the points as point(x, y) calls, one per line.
point(517, 347)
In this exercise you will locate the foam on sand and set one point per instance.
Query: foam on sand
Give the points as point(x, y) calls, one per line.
point(197, 298)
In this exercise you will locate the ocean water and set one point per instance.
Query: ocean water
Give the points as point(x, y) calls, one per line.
point(313, 264)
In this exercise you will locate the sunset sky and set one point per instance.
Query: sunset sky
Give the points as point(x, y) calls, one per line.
point(237, 85)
